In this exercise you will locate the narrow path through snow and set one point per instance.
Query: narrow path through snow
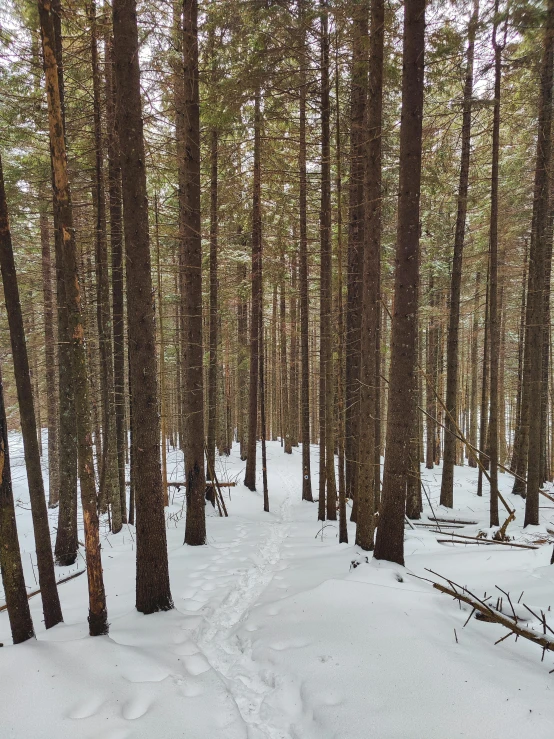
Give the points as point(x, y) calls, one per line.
point(227, 653)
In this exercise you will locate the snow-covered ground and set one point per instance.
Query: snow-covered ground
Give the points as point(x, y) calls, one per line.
point(275, 635)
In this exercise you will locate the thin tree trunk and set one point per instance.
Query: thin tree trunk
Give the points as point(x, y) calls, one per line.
point(538, 259)
point(389, 543)
point(116, 243)
point(326, 292)
point(212, 367)
point(51, 360)
point(473, 408)
point(494, 313)
point(262, 412)
point(250, 474)
point(293, 379)
point(432, 369)
point(285, 397)
point(163, 399)
point(303, 274)
point(449, 458)
point(45, 562)
point(13, 581)
point(483, 426)
point(242, 373)
point(109, 477)
point(152, 577)
point(98, 615)
point(343, 523)
point(358, 139)
point(191, 284)
point(66, 546)
point(370, 380)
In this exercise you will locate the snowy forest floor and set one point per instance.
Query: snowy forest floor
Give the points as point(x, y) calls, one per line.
point(275, 635)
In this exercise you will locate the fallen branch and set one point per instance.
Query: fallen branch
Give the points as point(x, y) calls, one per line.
point(494, 541)
point(60, 582)
point(459, 521)
point(464, 595)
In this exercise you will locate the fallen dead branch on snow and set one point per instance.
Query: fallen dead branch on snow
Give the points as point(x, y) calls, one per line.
point(495, 615)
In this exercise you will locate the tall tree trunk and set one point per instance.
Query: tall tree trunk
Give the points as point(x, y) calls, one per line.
point(343, 523)
point(195, 532)
point(109, 477)
point(538, 259)
point(358, 138)
point(402, 390)
point(152, 576)
point(483, 425)
point(242, 359)
point(326, 291)
point(66, 546)
point(370, 361)
point(293, 383)
point(163, 398)
point(116, 243)
point(449, 460)
point(50, 358)
point(473, 410)
point(250, 474)
point(13, 581)
point(98, 615)
point(432, 369)
point(262, 411)
point(494, 313)
point(285, 397)
point(45, 562)
point(212, 367)
point(303, 273)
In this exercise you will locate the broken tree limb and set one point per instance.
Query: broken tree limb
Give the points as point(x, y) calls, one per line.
point(464, 595)
point(59, 582)
point(463, 439)
point(459, 521)
point(494, 541)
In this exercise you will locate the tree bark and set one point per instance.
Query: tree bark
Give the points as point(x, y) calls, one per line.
point(212, 367)
point(109, 476)
point(116, 243)
point(303, 274)
point(494, 314)
point(50, 353)
point(45, 562)
point(449, 452)
point(285, 396)
point(355, 242)
point(327, 376)
point(402, 389)
point(538, 259)
point(98, 615)
point(152, 576)
point(66, 546)
point(13, 581)
point(370, 360)
point(250, 474)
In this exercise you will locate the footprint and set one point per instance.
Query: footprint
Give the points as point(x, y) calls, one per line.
point(196, 664)
point(135, 708)
point(191, 689)
point(111, 734)
point(86, 708)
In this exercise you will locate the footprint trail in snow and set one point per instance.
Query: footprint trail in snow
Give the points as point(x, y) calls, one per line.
point(229, 655)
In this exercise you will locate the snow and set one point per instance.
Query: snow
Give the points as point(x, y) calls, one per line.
point(275, 635)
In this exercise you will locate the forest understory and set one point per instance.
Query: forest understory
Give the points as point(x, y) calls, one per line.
point(293, 259)
point(276, 633)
